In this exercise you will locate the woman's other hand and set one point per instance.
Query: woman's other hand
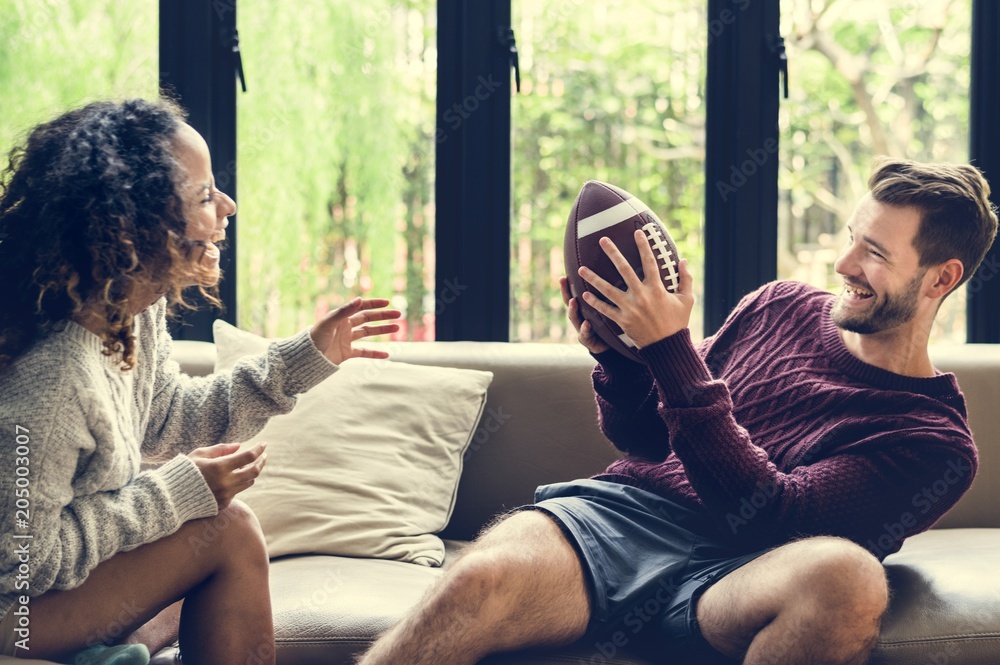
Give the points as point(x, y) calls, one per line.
point(229, 470)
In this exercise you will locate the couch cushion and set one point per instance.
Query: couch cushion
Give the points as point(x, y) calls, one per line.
point(977, 368)
point(945, 605)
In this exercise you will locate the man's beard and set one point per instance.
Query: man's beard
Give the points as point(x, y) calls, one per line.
point(893, 311)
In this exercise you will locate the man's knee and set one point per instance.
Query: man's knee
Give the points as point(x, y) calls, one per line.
point(502, 551)
point(840, 576)
point(515, 555)
point(522, 566)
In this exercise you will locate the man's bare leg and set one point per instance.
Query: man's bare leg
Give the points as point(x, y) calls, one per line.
point(817, 601)
point(219, 565)
point(518, 585)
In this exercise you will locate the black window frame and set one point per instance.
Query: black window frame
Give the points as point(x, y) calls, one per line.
point(473, 161)
point(473, 164)
point(983, 291)
point(198, 65)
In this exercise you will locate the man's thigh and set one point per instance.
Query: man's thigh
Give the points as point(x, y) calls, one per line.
point(643, 560)
point(531, 575)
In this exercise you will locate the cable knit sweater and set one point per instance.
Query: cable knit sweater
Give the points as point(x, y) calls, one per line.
point(85, 425)
point(775, 430)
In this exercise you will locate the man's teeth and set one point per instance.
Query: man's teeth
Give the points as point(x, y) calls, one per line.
point(858, 292)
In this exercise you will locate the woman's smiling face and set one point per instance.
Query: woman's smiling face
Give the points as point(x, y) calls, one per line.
point(206, 208)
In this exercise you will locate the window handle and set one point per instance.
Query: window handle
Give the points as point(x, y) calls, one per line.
point(777, 48)
point(508, 41)
point(231, 38)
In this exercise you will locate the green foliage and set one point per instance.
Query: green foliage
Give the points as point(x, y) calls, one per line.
point(59, 54)
point(607, 95)
point(336, 149)
point(336, 159)
point(334, 128)
point(868, 78)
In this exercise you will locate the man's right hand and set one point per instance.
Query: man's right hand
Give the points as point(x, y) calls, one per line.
point(227, 469)
point(585, 331)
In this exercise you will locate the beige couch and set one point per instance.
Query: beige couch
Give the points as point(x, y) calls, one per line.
point(539, 427)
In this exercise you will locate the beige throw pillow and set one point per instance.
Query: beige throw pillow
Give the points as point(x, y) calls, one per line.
point(367, 463)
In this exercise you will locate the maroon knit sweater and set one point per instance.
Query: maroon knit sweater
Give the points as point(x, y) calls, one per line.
point(775, 430)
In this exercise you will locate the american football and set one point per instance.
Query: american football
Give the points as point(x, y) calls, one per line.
point(605, 210)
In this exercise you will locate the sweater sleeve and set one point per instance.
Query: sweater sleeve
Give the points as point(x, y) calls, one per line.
point(627, 407)
point(191, 412)
point(63, 536)
point(872, 497)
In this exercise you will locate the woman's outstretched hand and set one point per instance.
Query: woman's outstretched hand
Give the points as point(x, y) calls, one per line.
point(227, 469)
point(336, 331)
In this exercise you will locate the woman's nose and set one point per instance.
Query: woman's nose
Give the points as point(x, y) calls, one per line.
point(231, 206)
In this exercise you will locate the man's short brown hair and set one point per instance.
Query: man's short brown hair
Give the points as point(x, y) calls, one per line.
point(957, 219)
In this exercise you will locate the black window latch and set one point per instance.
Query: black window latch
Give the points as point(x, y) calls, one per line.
point(231, 39)
point(777, 48)
point(508, 41)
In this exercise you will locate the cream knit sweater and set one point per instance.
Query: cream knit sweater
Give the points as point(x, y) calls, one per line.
point(74, 429)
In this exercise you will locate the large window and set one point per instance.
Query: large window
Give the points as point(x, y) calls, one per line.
point(341, 137)
point(59, 55)
point(336, 160)
point(868, 78)
point(611, 91)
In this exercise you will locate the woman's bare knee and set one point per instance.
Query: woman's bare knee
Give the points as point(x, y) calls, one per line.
point(234, 531)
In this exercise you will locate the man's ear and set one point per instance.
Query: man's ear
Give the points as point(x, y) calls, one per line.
point(945, 277)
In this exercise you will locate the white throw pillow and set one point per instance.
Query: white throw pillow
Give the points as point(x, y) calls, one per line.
point(367, 463)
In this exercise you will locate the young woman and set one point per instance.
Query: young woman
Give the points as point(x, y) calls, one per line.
point(106, 214)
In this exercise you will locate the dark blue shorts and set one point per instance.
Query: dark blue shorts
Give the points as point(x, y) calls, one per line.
point(647, 560)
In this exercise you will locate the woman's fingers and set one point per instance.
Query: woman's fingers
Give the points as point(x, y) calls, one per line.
point(370, 353)
point(370, 331)
point(212, 452)
point(250, 471)
point(245, 457)
point(373, 315)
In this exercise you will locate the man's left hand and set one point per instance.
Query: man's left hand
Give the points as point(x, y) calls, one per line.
point(646, 311)
point(336, 331)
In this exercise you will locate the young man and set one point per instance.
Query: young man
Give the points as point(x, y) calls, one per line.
point(769, 469)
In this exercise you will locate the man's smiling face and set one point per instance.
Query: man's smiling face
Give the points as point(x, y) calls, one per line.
point(881, 269)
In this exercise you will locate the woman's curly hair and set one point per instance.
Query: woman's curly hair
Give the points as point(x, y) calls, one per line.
point(90, 213)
